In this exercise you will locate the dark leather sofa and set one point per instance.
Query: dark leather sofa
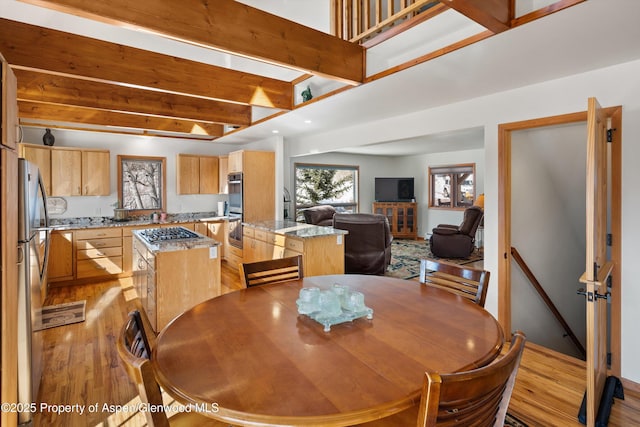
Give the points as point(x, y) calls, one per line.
point(368, 244)
point(319, 215)
point(457, 241)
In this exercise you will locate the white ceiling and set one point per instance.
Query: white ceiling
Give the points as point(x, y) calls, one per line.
point(590, 35)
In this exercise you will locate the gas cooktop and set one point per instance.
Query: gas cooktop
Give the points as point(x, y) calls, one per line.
point(167, 234)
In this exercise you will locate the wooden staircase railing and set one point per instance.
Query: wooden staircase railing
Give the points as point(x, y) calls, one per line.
point(359, 20)
point(545, 297)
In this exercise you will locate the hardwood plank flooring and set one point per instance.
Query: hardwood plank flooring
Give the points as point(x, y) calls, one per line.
point(82, 367)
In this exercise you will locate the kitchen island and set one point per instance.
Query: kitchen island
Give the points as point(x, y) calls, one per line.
point(174, 269)
point(322, 248)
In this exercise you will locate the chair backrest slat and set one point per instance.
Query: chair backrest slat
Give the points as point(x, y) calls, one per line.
point(467, 282)
point(271, 271)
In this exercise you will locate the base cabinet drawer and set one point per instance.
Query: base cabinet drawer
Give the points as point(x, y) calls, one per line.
point(233, 256)
point(294, 245)
point(98, 267)
point(99, 253)
point(98, 243)
point(101, 233)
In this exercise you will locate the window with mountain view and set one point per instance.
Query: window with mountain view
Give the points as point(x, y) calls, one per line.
point(334, 185)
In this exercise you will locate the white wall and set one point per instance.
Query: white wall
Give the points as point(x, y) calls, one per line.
point(617, 85)
point(548, 225)
point(95, 206)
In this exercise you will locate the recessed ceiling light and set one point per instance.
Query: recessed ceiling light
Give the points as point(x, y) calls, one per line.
point(275, 131)
point(307, 121)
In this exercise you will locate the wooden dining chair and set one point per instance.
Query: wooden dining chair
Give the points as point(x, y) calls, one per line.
point(135, 352)
point(271, 271)
point(467, 282)
point(479, 397)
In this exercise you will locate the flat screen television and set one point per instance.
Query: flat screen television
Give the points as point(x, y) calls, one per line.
point(394, 190)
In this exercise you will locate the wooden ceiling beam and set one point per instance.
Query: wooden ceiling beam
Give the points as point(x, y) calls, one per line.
point(229, 26)
point(88, 116)
point(494, 15)
point(56, 89)
point(32, 47)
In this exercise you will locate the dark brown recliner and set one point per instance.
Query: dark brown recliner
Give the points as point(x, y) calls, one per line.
point(367, 247)
point(457, 241)
point(319, 215)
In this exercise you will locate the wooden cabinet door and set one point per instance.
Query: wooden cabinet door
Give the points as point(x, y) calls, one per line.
point(61, 256)
point(217, 231)
point(9, 273)
point(235, 162)
point(9, 106)
point(41, 157)
point(66, 172)
point(249, 249)
point(209, 175)
point(96, 173)
point(259, 185)
point(188, 174)
point(223, 172)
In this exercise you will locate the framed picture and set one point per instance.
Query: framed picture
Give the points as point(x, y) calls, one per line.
point(142, 184)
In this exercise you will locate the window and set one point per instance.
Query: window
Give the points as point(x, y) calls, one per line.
point(452, 186)
point(325, 185)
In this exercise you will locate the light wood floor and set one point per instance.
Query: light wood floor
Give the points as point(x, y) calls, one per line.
point(82, 367)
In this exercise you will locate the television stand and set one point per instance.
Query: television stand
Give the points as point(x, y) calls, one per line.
point(402, 217)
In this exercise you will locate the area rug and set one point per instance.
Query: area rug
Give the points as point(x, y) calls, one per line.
point(406, 255)
point(63, 314)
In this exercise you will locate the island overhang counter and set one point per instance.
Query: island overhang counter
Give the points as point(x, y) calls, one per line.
point(322, 248)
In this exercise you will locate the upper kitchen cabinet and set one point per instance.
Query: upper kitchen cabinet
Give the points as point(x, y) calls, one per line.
point(223, 171)
point(66, 172)
point(41, 156)
point(71, 171)
point(96, 177)
point(9, 106)
point(234, 161)
point(197, 174)
point(80, 172)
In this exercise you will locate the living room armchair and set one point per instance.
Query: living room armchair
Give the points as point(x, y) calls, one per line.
point(368, 245)
point(457, 241)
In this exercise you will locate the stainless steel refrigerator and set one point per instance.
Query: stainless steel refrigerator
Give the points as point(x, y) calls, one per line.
point(33, 253)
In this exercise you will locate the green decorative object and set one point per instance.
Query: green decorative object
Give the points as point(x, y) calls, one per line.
point(306, 94)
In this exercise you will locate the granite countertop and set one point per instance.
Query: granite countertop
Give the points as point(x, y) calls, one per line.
point(100, 221)
point(296, 229)
point(201, 241)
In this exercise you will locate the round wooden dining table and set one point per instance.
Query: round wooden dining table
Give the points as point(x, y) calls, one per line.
point(249, 358)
